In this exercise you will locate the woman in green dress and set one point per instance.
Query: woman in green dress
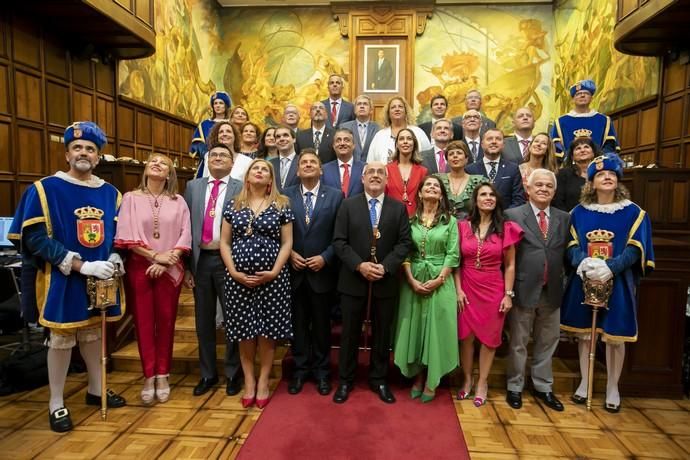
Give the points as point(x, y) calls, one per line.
point(426, 329)
point(457, 182)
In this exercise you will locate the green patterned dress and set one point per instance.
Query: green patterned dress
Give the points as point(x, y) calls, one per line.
point(460, 204)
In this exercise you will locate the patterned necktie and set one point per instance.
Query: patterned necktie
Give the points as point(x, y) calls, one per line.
point(473, 149)
point(492, 172)
point(362, 133)
point(372, 211)
point(284, 162)
point(334, 112)
point(525, 144)
point(441, 161)
point(345, 183)
point(209, 215)
point(544, 227)
point(317, 139)
point(308, 205)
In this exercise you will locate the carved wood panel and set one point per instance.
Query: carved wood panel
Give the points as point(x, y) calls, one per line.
point(28, 96)
point(6, 164)
point(57, 103)
point(143, 128)
point(30, 150)
point(26, 42)
point(4, 90)
point(82, 105)
point(125, 123)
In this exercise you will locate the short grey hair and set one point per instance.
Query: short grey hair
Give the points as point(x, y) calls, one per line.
point(544, 172)
point(447, 120)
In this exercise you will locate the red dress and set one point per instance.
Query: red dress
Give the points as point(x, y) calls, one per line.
point(484, 286)
point(397, 189)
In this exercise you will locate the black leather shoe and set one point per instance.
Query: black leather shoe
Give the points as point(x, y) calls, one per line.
point(113, 400)
point(233, 386)
point(295, 385)
point(577, 399)
point(549, 399)
point(323, 386)
point(514, 399)
point(385, 393)
point(341, 393)
point(60, 421)
point(204, 385)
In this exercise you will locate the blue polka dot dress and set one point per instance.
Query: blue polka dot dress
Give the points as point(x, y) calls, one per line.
point(263, 310)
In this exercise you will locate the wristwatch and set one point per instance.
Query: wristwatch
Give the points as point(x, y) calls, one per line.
point(510, 294)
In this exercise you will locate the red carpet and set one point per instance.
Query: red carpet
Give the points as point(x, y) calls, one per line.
point(310, 426)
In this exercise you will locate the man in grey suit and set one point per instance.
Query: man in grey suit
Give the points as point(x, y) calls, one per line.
point(285, 164)
point(434, 159)
point(319, 136)
point(515, 146)
point(206, 198)
point(538, 290)
point(362, 127)
point(339, 110)
point(471, 127)
point(473, 101)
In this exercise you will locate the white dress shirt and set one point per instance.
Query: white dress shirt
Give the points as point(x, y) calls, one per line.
point(218, 217)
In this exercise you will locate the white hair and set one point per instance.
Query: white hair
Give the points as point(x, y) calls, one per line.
point(544, 172)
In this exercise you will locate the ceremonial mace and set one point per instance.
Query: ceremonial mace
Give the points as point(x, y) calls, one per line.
point(597, 295)
point(372, 253)
point(103, 294)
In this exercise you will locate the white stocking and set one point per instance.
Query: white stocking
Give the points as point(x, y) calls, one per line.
point(615, 355)
point(91, 352)
point(583, 352)
point(58, 364)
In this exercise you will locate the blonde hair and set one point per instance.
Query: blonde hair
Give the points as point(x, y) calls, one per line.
point(272, 194)
point(170, 182)
point(386, 111)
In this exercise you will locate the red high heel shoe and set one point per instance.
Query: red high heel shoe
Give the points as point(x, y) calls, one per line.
point(249, 402)
point(261, 403)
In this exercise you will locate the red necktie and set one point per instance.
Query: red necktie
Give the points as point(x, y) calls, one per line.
point(209, 215)
point(346, 178)
point(544, 227)
point(525, 144)
point(441, 161)
point(334, 112)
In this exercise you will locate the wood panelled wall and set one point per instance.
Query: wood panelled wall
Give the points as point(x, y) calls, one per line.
point(658, 130)
point(44, 88)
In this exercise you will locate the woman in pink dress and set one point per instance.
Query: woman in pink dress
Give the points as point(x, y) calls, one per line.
point(484, 284)
point(153, 225)
point(405, 172)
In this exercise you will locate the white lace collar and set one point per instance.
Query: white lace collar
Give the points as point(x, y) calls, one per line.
point(607, 208)
point(94, 182)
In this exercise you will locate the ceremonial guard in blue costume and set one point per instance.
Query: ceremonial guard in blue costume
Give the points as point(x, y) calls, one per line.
point(583, 121)
point(610, 238)
point(65, 225)
point(220, 109)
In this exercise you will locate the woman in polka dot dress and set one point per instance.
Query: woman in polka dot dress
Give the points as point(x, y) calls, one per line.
point(256, 240)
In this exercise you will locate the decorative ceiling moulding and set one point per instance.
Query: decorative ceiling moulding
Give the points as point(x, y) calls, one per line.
point(385, 20)
point(355, 3)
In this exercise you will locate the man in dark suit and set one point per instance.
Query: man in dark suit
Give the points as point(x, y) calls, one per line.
point(434, 159)
point(505, 175)
point(473, 101)
point(345, 173)
point(439, 107)
point(319, 137)
point(206, 273)
point(515, 146)
point(291, 118)
point(338, 109)
point(285, 164)
point(471, 127)
point(384, 79)
point(538, 290)
point(363, 127)
point(388, 236)
point(314, 273)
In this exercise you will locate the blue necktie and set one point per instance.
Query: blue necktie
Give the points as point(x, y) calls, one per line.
point(307, 205)
point(372, 211)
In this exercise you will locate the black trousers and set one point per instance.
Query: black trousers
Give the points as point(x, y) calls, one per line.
point(311, 324)
point(354, 311)
point(209, 287)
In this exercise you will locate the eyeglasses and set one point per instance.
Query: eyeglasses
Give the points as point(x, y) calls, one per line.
point(219, 155)
point(470, 117)
point(372, 171)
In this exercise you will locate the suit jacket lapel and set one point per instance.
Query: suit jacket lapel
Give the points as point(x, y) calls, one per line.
point(200, 199)
point(554, 223)
point(531, 221)
point(355, 172)
point(319, 202)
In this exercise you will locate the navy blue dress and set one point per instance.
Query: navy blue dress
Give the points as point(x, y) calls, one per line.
point(263, 310)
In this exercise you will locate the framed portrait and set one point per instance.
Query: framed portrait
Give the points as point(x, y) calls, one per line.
point(381, 68)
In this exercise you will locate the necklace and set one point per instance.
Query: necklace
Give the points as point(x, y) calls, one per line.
point(480, 245)
point(427, 224)
point(456, 190)
point(214, 200)
point(155, 211)
point(252, 213)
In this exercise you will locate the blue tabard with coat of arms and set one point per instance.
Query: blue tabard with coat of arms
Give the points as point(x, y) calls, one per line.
point(597, 126)
point(62, 300)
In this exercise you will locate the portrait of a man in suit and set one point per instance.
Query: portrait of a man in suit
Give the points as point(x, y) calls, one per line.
point(381, 66)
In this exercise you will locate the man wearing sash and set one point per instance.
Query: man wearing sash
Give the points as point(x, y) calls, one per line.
point(65, 225)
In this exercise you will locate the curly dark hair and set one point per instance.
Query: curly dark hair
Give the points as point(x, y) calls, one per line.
point(213, 135)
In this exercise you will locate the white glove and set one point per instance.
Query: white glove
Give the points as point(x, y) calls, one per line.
point(117, 262)
point(600, 273)
point(99, 268)
point(587, 264)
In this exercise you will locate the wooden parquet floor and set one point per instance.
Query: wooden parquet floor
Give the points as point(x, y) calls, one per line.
point(214, 426)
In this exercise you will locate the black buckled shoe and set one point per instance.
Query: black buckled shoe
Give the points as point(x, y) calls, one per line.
point(341, 393)
point(549, 399)
point(204, 385)
point(514, 399)
point(384, 392)
point(113, 400)
point(60, 421)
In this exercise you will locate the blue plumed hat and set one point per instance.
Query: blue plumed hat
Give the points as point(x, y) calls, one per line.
point(86, 130)
point(607, 162)
point(223, 96)
point(586, 85)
